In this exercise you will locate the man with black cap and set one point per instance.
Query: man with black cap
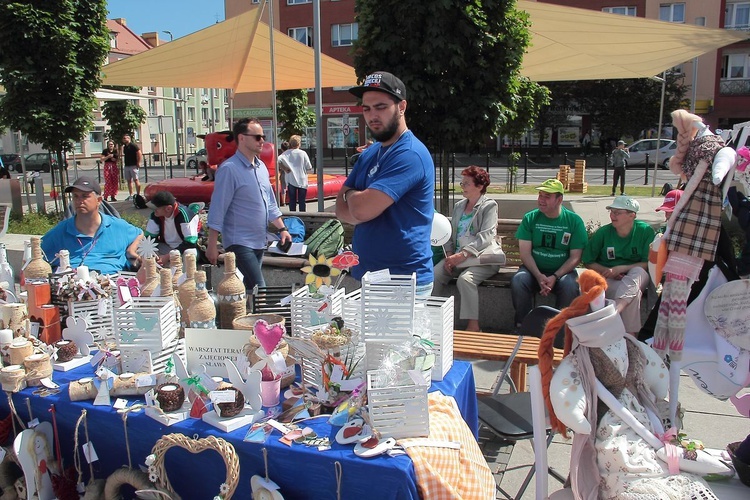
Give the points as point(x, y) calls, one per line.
point(388, 195)
point(99, 241)
point(172, 225)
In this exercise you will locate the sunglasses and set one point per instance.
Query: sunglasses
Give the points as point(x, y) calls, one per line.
point(258, 137)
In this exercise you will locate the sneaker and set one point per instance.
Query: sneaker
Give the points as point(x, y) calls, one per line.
point(612, 194)
point(129, 198)
point(112, 198)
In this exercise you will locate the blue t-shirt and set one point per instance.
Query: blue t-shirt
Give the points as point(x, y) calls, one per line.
point(105, 252)
point(399, 238)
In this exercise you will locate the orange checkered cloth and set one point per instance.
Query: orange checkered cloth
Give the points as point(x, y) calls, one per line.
point(449, 464)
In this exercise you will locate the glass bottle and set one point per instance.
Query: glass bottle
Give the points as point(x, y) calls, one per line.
point(6, 272)
point(231, 294)
point(201, 312)
point(152, 277)
point(186, 289)
point(175, 266)
point(37, 268)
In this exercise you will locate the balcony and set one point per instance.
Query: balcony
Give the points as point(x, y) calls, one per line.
point(735, 86)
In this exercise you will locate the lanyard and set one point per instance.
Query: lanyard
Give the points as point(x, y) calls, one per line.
point(91, 247)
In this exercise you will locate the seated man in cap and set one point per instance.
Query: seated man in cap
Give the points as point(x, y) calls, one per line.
point(551, 239)
point(99, 241)
point(172, 225)
point(670, 201)
point(619, 252)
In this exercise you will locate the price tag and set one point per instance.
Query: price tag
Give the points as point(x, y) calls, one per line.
point(145, 381)
point(222, 396)
point(102, 309)
point(33, 423)
point(378, 276)
point(120, 403)
point(89, 452)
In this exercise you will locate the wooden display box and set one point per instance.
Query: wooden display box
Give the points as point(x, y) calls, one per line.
point(307, 310)
point(147, 323)
point(388, 307)
point(397, 411)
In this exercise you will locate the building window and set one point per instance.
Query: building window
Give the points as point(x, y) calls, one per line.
point(177, 92)
point(623, 11)
point(672, 12)
point(204, 116)
point(336, 132)
point(343, 34)
point(738, 16)
point(734, 66)
point(191, 114)
point(302, 35)
point(152, 107)
point(112, 40)
point(297, 2)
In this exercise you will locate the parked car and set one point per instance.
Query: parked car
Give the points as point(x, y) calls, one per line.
point(639, 149)
point(39, 162)
point(12, 162)
point(194, 161)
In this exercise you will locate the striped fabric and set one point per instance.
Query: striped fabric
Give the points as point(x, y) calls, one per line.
point(449, 464)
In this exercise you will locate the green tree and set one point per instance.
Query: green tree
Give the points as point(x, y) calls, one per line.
point(526, 106)
point(626, 107)
point(51, 53)
point(123, 117)
point(459, 60)
point(292, 111)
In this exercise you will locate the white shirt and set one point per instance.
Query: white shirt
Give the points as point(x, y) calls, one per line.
point(299, 164)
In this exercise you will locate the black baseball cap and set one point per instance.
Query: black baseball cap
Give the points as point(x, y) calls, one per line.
point(162, 199)
point(381, 81)
point(86, 184)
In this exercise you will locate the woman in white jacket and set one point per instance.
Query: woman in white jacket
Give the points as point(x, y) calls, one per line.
point(295, 163)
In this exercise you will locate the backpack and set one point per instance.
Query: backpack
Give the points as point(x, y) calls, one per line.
point(667, 187)
point(327, 240)
point(296, 228)
point(139, 201)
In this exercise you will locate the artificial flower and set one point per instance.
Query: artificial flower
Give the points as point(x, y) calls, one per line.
point(345, 260)
point(153, 478)
point(320, 271)
point(150, 460)
point(224, 488)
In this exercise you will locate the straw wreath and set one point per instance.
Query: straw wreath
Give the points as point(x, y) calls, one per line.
point(158, 473)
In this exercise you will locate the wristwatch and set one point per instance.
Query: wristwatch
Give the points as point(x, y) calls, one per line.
point(282, 229)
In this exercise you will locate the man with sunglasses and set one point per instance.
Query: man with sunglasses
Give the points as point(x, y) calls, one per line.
point(619, 252)
point(243, 204)
point(388, 195)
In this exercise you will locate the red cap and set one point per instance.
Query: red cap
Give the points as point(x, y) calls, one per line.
point(670, 201)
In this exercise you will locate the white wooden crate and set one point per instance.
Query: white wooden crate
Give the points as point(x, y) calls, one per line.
point(440, 315)
point(146, 322)
point(312, 369)
point(101, 326)
point(388, 306)
point(399, 411)
point(307, 311)
point(351, 310)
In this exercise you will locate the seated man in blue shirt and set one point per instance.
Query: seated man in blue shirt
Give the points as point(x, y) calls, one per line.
point(101, 242)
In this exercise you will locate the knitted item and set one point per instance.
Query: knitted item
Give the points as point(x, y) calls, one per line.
point(669, 333)
point(231, 293)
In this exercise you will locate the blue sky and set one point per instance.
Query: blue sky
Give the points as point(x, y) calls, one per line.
point(181, 17)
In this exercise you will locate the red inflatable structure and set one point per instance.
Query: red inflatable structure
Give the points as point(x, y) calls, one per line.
point(220, 146)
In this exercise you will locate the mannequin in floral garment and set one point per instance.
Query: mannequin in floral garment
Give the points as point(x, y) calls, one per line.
point(617, 452)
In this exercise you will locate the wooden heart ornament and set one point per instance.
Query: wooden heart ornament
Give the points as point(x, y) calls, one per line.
point(158, 473)
point(268, 336)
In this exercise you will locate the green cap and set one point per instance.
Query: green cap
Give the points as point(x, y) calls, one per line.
point(552, 186)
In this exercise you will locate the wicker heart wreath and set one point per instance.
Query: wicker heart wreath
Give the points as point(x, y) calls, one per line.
point(158, 474)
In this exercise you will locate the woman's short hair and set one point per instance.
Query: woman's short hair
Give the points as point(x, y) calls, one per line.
point(479, 175)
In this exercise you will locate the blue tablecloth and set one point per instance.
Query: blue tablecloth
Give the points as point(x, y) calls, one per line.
point(301, 472)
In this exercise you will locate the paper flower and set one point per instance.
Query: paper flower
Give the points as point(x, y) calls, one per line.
point(224, 488)
point(147, 247)
point(345, 260)
point(320, 271)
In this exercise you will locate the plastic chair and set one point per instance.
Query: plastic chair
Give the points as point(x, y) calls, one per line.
point(510, 416)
